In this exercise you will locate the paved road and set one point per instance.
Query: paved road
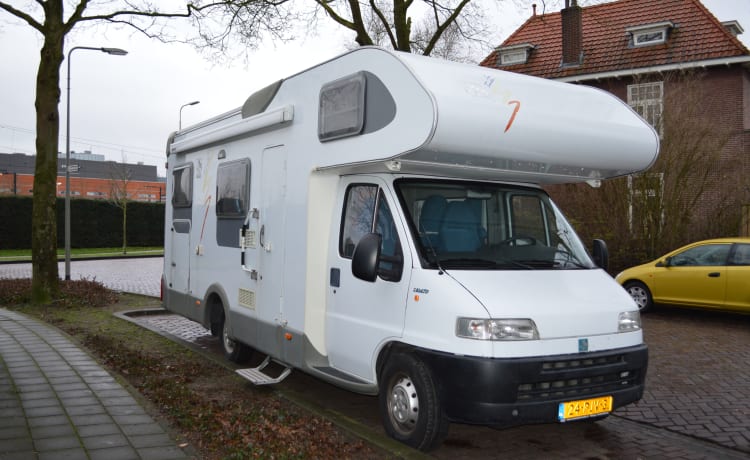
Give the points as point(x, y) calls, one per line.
point(139, 276)
point(696, 406)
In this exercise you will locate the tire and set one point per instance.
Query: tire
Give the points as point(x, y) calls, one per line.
point(409, 403)
point(234, 351)
point(641, 294)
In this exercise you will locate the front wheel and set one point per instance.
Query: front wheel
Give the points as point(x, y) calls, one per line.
point(409, 404)
point(641, 294)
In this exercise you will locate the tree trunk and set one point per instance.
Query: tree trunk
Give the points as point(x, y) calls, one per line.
point(45, 277)
point(125, 224)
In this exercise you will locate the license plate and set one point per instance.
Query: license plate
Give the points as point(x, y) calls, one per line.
point(584, 408)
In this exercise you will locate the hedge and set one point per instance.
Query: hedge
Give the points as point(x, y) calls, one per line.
point(93, 223)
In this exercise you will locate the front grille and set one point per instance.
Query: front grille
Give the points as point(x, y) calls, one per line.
point(579, 377)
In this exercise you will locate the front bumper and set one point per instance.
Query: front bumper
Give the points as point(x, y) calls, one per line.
point(515, 391)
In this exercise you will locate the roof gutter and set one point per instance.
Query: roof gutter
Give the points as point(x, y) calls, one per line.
point(656, 69)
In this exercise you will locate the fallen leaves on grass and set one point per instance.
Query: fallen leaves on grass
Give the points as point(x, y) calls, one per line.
point(220, 416)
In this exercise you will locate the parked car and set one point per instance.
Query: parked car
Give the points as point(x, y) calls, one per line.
point(707, 274)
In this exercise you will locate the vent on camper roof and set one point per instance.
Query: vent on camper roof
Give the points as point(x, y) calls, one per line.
point(247, 298)
point(258, 101)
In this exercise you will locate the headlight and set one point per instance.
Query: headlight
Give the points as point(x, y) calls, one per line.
point(629, 321)
point(496, 329)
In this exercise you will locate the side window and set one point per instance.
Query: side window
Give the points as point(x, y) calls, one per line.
point(527, 217)
point(232, 189)
point(741, 255)
point(359, 211)
point(232, 201)
point(702, 256)
point(182, 195)
point(366, 210)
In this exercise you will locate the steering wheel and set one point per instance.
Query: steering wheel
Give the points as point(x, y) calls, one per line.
point(520, 240)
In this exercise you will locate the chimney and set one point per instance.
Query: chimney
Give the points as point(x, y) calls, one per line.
point(533, 7)
point(572, 34)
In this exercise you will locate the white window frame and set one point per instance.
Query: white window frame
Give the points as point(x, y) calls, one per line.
point(646, 35)
point(650, 107)
point(514, 54)
point(649, 192)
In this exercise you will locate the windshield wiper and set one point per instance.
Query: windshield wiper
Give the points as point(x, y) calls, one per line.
point(571, 259)
point(483, 263)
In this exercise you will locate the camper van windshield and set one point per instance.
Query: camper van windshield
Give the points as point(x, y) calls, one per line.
point(471, 226)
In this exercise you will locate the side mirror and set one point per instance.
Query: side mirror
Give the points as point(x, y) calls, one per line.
point(366, 257)
point(601, 254)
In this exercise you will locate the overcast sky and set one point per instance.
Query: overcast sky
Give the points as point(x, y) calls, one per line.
point(125, 107)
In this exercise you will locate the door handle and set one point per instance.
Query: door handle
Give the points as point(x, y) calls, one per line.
point(714, 275)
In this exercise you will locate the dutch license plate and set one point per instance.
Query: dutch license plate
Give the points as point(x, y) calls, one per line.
point(584, 408)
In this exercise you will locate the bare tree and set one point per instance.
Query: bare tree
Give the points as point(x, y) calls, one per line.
point(449, 29)
point(683, 197)
point(120, 177)
point(54, 20)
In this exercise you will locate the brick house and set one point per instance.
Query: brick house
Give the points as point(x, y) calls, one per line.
point(689, 76)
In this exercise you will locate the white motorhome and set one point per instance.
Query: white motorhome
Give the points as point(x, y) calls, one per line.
point(378, 221)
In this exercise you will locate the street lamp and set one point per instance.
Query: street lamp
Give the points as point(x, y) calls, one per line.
point(182, 107)
point(115, 52)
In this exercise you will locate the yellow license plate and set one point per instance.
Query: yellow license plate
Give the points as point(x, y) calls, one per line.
point(584, 408)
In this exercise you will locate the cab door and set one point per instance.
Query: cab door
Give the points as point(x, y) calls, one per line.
point(362, 315)
point(696, 276)
point(738, 278)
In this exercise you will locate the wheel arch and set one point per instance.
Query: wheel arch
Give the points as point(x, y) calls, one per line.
point(216, 303)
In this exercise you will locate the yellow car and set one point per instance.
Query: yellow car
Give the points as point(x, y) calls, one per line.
point(707, 274)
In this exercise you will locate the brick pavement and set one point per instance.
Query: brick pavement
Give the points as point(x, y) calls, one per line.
point(698, 381)
point(653, 429)
point(56, 402)
point(695, 405)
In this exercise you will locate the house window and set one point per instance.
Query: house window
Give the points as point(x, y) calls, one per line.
point(649, 34)
point(645, 203)
point(648, 100)
point(514, 54)
point(649, 38)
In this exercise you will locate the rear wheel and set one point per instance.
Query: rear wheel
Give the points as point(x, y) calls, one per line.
point(409, 404)
point(234, 351)
point(641, 294)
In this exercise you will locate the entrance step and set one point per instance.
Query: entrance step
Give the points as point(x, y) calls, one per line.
point(258, 377)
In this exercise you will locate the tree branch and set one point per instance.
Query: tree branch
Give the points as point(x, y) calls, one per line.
point(442, 27)
point(23, 16)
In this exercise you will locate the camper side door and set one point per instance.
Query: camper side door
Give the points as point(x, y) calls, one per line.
point(363, 315)
point(178, 282)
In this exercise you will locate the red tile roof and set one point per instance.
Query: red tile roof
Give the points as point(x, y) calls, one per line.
point(697, 36)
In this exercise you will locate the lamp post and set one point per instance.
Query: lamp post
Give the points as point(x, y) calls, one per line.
point(114, 52)
point(182, 107)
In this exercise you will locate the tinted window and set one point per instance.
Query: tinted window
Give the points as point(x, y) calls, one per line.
point(702, 256)
point(359, 211)
point(741, 255)
point(182, 196)
point(365, 205)
point(232, 187)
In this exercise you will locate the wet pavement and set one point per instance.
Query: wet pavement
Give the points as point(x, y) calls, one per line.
point(696, 404)
point(56, 402)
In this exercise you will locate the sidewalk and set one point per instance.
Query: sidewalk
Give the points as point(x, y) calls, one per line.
point(56, 402)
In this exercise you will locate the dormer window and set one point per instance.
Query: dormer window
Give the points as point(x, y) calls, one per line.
point(514, 54)
point(649, 34)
